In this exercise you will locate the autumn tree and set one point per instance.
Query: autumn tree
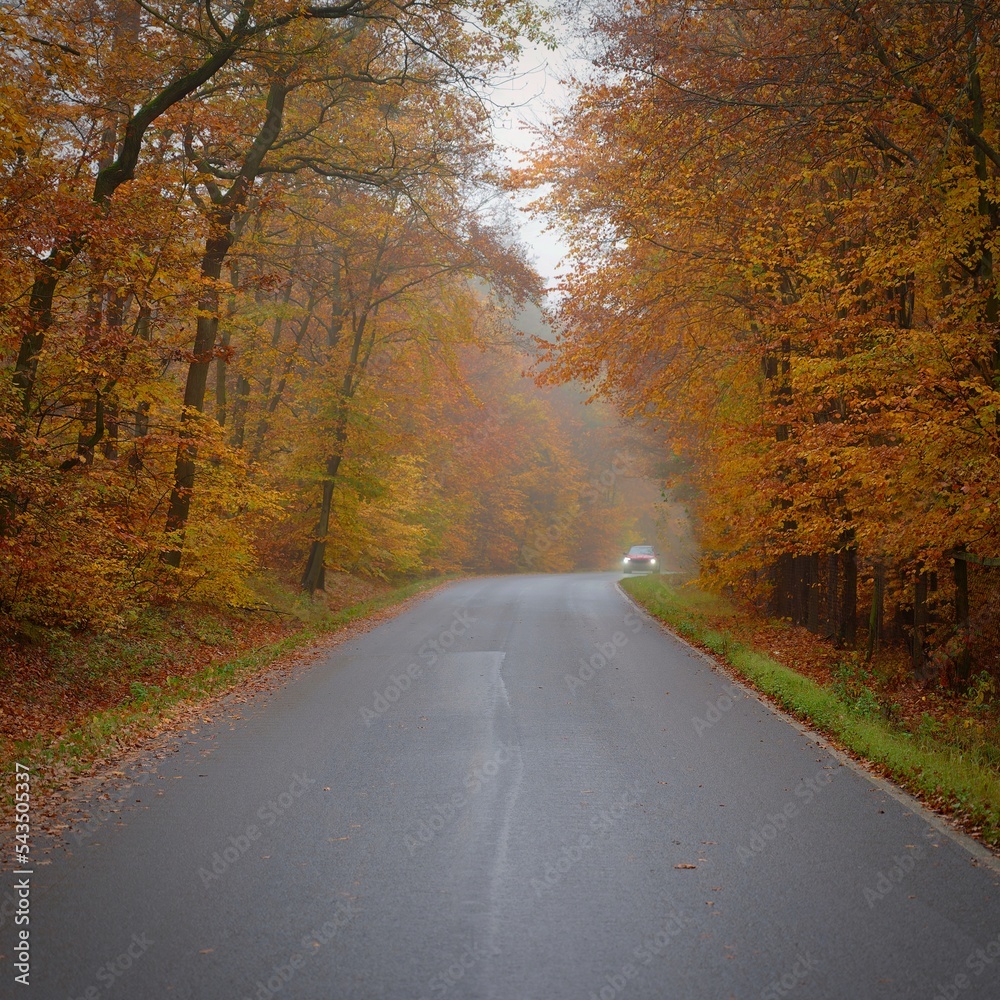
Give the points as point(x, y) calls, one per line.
point(140, 137)
point(784, 221)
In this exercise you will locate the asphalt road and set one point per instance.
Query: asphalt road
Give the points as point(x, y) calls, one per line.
point(521, 789)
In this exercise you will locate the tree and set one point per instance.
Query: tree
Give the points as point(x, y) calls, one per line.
point(140, 160)
point(784, 220)
point(397, 254)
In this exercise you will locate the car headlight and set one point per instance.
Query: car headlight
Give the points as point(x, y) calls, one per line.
point(625, 559)
point(652, 562)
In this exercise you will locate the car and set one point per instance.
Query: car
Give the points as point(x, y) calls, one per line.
point(641, 557)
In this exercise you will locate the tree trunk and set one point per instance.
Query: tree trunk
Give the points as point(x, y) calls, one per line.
point(832, 594)
point(221, 396)
point(919, 623)
point(877, 614)
point(85, 443)
point(216, 249)
point(848, 630)
point(786, 591)
point(800, 584)
point(314, 577)
point(217, 246)
point(961, 576)
point(787, 565)
point(812, 593)
point(111, 424)
point(194, 391)
point(241, 403)
point(221, 363)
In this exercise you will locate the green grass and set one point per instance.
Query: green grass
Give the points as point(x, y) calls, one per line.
point(96, 737)
point(928, 763)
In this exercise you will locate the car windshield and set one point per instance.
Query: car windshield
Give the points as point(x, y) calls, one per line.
point(641, 550)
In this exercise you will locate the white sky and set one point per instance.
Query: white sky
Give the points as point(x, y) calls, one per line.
point(524, 101)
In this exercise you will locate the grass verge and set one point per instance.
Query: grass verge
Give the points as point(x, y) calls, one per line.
point(944, 774)
point(140, 698)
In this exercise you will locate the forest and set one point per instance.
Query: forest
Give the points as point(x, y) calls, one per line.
point(785, 218)
point(260, 303)
point(264, 308)
point(316, 487)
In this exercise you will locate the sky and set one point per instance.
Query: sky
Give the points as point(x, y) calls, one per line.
point(526, 100)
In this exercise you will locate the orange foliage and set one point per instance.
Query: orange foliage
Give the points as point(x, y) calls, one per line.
point(785, 221)
point(300, 186)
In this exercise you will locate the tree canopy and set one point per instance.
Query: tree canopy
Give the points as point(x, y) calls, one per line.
point(256, 303)
point(785, 219)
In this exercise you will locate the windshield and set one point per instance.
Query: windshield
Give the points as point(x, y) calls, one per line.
point(641, 550)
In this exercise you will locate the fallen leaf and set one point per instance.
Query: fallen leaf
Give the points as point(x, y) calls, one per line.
point(684, 865)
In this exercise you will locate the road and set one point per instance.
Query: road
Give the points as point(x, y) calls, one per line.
point(522, 789)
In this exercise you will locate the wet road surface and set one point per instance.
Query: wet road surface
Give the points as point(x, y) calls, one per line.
point(520, 789)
